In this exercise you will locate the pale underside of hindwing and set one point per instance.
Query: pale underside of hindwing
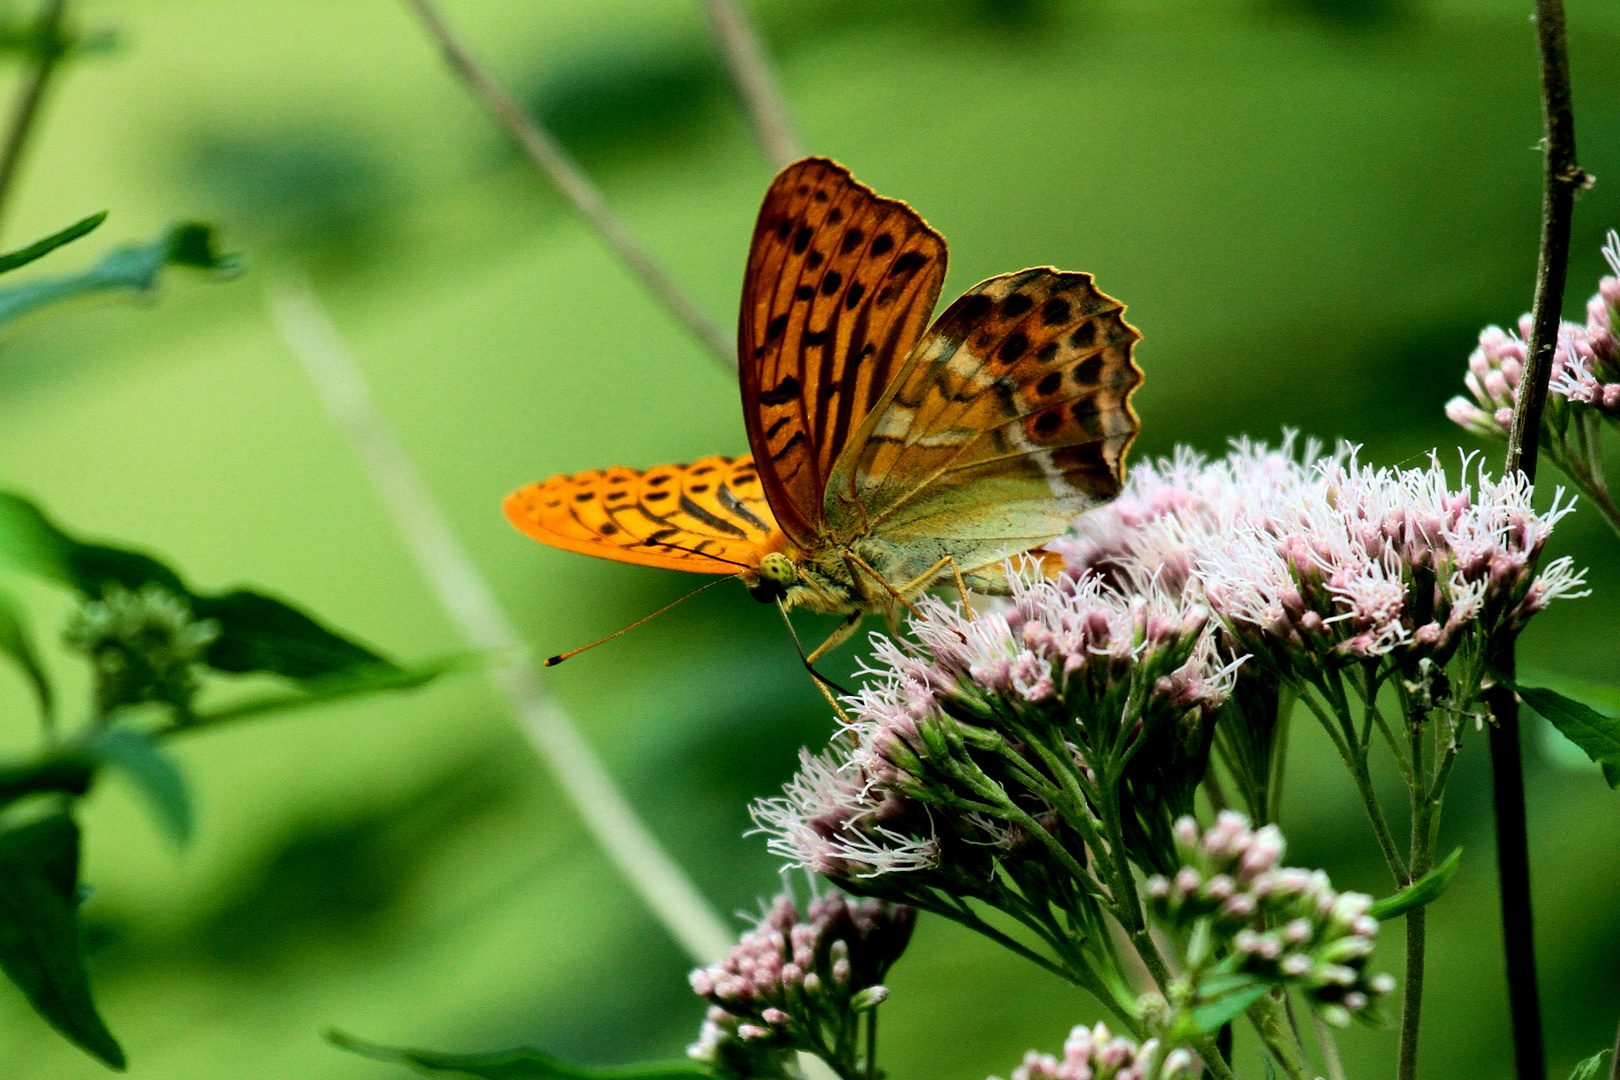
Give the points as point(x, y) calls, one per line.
point(1010, 418)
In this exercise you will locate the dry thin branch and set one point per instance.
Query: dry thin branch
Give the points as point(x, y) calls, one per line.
point(756, 82)
point(471, 603)
point(1563, 179)
point(49, 49)
point(551, 159)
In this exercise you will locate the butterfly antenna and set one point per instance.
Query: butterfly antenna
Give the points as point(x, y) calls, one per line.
point(560, 657)
point(822, 682)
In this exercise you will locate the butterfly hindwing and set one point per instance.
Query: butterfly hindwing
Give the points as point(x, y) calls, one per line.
point(1012, 417)
point(839, 286)
point(707, 517)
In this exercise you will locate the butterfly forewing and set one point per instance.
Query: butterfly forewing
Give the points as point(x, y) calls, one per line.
point(839, 286)
point(708, 517)
point(1012, 417)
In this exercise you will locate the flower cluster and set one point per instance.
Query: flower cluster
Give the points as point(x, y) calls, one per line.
point(1317, 559)
point(948, 733)
point(144, 644)
point(1586, 366)
point(800, 982)
point(1280, 925)
point(1096, 1054)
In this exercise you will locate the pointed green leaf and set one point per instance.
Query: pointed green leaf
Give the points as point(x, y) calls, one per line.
point(39, 931)
point(377, 679)
point(34, 543)
point(1592, 1068)
point(154, 772)
point(519, 1064)
point(1209, 1018)
point(260, 633)
point(18, 643)
point(136, 267)
point(1425, 890)
point(1593, 732)
point(11, 260)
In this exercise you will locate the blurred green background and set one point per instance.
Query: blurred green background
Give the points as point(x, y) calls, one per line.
point(1310, 206)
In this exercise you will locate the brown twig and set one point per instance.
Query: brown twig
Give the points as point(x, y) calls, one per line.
point(756, 83)
point(549, 156)
point(1563, 179)
point(49, 48)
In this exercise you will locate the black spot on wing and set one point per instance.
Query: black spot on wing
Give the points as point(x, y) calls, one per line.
point(787, 390)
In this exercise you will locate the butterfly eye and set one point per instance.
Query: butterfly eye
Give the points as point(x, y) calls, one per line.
point(774, 574)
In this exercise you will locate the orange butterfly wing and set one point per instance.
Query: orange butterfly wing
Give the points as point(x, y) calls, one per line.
point(709, 517)
point(839, 287)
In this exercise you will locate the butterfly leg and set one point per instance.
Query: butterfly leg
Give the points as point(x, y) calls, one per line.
point(821, 681)
point(853, 560)
point(961, 588)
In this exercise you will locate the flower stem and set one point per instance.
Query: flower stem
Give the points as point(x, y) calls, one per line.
point(1562, 178)
point(578, 188)
point(745, 56)
point(1330, 1047)
point(49, 49)
point(1271, 1023)
point(608, 815)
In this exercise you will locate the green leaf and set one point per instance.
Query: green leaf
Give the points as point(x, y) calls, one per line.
point(519, 1064)
point(1592, 1068)
point(11, 260)
point(1209, 1018)
point(39, 931)
point(18, 643)
point(69, 773)
point(37, 546)
point(256, 632)
point(1593, 732)
point(1425, 890)
point(136, 267)
point(379, 678)
point(154, 772)
point(260, 633)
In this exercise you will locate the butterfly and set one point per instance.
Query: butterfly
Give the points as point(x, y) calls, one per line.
point(889, 456)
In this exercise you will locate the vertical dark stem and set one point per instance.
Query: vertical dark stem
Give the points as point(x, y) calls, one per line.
point(1563, 178)
point(49, 47)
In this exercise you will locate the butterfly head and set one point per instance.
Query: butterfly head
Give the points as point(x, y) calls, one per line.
point(771, 579)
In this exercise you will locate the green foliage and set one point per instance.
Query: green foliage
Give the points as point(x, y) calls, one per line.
point(1592, 731)
point(135, 267)
point(68, 773)
point(257, 633)
point(1425, 890)
point(1592, 1068)
point(139, 757)
point(370, 679)
point(519, 1064)
point(11, 260)
point(1229, 1003)
point(18, 643)
point(39, 931)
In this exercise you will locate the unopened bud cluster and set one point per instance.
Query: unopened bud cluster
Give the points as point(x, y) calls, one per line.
point(1279, 924)
point(144, 644)
point(1096, 1054)
point(795, 982)
point(1585, 366)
